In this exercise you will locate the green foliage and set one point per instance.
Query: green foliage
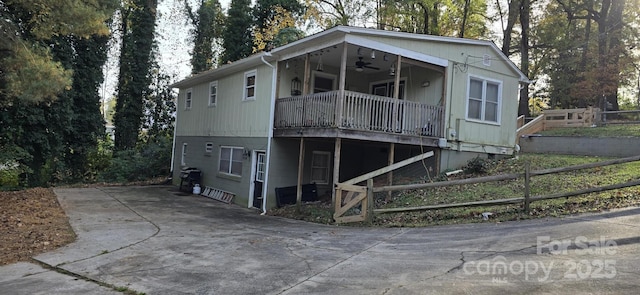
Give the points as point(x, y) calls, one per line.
point(9, 178)
point(264, 10)
point(138, 28)
point(28, 71)
point(150, 159)
point(12, 168)
point(477, 165)
point(31, 75)
point(208, 22)
point(159, 108)
point(238, 40)
point(434, 17)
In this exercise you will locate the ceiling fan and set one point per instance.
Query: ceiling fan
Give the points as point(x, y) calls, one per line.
point(361, 65)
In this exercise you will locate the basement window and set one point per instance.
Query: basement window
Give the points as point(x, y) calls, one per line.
point(320, 163)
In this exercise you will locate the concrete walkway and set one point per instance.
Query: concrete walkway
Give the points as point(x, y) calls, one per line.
point(154, 241)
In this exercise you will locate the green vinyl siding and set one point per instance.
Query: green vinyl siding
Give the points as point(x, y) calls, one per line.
point(231, 116)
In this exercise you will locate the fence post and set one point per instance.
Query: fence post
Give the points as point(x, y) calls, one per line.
point(527, 179)
point(369, 212)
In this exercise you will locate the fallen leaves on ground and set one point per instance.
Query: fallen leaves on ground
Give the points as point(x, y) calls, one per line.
point(31, 222)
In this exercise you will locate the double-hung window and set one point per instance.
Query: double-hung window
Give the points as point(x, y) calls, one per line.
point(231, 160)
point(249, 86)
point(187, 99)
point(483, 100)
point(320, 163)
point(213, 93)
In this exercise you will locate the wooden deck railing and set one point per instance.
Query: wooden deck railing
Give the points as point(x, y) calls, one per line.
point(359, 111)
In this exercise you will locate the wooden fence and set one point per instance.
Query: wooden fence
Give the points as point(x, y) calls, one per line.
point(619, 117)
point(584, 117)
point(525, 200)
point(358, 200)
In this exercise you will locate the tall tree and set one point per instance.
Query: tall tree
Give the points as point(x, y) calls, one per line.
point(525, 10)
point(137, 29)
point(593, 30)
point(266, 11)
point(279, 30)
point(467, 18)
point(87, 124)
point(208, 21)
point(237, 34)
point(40, 44)
point(343, 12)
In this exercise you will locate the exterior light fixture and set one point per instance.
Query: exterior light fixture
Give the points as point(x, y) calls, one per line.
point(296, 86)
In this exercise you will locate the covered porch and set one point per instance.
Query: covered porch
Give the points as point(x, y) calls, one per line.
point(361, 89)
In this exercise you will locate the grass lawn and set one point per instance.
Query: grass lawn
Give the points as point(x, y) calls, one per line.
point(540, 185)
point(601, 131)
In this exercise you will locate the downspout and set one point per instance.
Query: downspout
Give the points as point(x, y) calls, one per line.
point(173, 150)
point(270, 132)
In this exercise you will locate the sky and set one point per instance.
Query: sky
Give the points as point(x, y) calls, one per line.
point(174, 45)
point(172, 36)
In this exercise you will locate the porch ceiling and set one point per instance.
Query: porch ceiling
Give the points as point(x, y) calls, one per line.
point(377, 60)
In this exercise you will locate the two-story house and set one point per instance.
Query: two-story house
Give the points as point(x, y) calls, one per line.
point(341, 103)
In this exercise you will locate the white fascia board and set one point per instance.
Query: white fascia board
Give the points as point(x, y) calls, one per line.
point(213, 74)
point(310, 48)
point(431, 38)
point(362, 41)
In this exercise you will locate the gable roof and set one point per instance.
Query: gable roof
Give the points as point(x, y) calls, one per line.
point(320, 39)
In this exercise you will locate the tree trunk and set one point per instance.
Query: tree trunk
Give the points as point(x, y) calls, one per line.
point(514, 6)
point(465, 16)
point(523, 106)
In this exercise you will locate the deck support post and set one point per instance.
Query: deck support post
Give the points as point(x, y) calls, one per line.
point(300, 170)
point(336, 169)
point(392, 152)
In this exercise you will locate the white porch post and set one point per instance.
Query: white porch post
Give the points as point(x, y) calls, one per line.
point(307, 74)
point(341, 85)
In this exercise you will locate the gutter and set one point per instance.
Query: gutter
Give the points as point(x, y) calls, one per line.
point(270, 132)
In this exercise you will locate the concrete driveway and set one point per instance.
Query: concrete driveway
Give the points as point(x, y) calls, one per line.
point(154, 241)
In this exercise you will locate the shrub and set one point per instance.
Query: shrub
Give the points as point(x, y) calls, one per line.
point(148, 160)
point(477, 165)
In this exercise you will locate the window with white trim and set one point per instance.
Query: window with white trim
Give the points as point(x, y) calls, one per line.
point(187, 99)
point(213, 93)
point(231, 160)
point(183, 157)
point(483, 100)
point(320, 163)
point(249, 85)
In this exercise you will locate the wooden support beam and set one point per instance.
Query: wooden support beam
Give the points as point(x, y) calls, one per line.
point(388, 168)
point(300, 172)
point(336, 168)
point(392, 152)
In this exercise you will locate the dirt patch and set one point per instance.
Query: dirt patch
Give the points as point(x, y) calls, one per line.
point(31, 222)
